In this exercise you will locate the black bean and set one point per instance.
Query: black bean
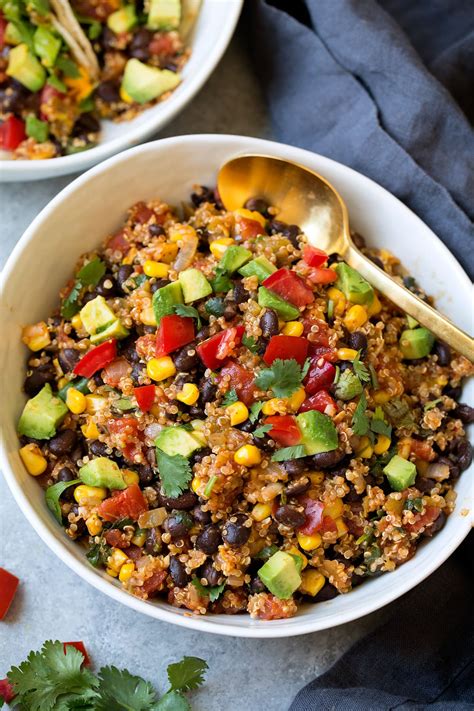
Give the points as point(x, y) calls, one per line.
point(202, 517)
point(293, 467)
point(358, 240)
point(454, 470)
point(352, 496)
point(453, 392)
point(463, 455)
point(78, 452)
point(208, 572)
point(108, 39)
point(327, 592)
point(240, 293)
point(324, 460)
point(465, 413)
point(423, 484)
point(68, 359)
point(203, 333)
point(230, 311)
point(289, 516)
point(178, 524)
point(443, 351)
point(436, 526)
point(141, 53)
point(157, 284)
point(358, 341)
point(80, 523)
point(333, 258)
point(128, 351)
point(202, 194)
point(66, 474)
point(146, 474)
point(88, 296)
point(156, 230)
point(153, 542)
point(178, 572)
point(196, 412)
point(377, 261)
point(39, 377)
point(297, 487)
point(235, 533)
point(108, 92)
point(269, 323)
point(123, 274)
point(246, 426)
point(185, 502)
point(186, 359)
point(15, 99)
point(262, 344)
point(266, 443)
point(107, 286)
point(291, 232)
point(137, 373)
point(63, 442)
point(209, 540)
point(98, 448)
point(85, 124)
point(199, 455)
point(208, 390)
point(257, 205)
point(256, 585)
point(141, 38)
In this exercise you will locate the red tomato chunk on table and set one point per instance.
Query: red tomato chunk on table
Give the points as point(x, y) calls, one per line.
point(8, 586)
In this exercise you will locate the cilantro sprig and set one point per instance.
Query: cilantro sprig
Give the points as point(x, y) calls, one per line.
point(287, 453)
point(229, 398)
point(211, 592)
point(187, 312)
point(262, 430)
point(89, 275)
point(55, 678)
point(175, 473)
point(284, 377)
point(250, 343)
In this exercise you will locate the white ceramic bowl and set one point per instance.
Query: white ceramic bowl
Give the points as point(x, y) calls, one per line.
point(209, 39)
point(93, 206)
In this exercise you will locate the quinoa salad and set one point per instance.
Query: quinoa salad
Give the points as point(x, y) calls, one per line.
point(65, 66)
point(231, 420)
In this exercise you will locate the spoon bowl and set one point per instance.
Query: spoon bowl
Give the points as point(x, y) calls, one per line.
point(307, 199)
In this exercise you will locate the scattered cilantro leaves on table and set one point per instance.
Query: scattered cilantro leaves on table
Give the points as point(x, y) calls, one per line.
point(229, 398)
point(250, 343)
point(187, 312)
point(283, 377)
point(175, 473)
point(287, 453)
point(211, 592)
point(262, 430)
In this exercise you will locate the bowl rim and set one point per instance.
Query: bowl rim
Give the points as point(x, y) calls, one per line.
point(19, 170)
point(56, 543)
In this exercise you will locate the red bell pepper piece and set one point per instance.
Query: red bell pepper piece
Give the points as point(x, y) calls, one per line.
point(8, 586)
point(129, 503)
point(216, 349)
point(328, 525)
point(320, 401)
point(314, 516)
point(174, 332)
point(12, 133)
point(314, 257)
point(284, 429)
point(80, 648)
point(322, 275)
point(7, 692)
point(290, 286)
point(240, 379)
point(3, 26)
point(286, 347)
point(319, 376)
point(145, 397)
point(96, 359)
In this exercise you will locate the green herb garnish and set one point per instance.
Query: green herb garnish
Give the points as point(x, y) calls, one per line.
point(262, 430)
point(211, 592)
point(53, 493)
point(250, 343)
point(215, 306)
point(287, 453)
point(255, 409)
point(229, 398)
point(39, 130)
point(360, 369)
point(187, 312)
point(175, 473)
point(283, 377)
point(360, 421)
point(89, 275)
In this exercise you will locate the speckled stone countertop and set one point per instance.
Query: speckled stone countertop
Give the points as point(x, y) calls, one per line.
point(53, 602)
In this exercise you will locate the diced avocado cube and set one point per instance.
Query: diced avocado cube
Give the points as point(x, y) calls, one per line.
point(348, 386)
point(164, 15)
point(318, 432)
point(96, 315)
point(46, 45)
point(260, 267)
point(194, 285)
point(102, 472)
point(233, 258)
point(177, 440)
point(42, 414)
point(354, 287)
point(400, 473)
point(122, 20)
point(412, 322)
point(25, 68)
point(280, 575)
point(12, 34)
point(113, 330)
point(270, 300)
point(165, 299)
point(416, 343)
point(143, 83)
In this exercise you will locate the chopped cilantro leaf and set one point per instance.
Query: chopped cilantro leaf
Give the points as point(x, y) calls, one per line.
point(91, 273)
point(187, 312)
point(283, 377)
point(430, 405)
point(373, 377)
point(221, 282)
point(215, 306)
point(139, 280)
point(175, 473)
point(262, 430)
point(414, 504)
point(360, 370)
point(379, 423)
point(287, 453)
point(250, 343)
point(305, 368)
point(212, 593)
point(255, 409)
point(229, 398)
point(68, 67)
point(360, 421)
point(266, 552)
point(70, 305)
point(398, 413)
point(52, 495)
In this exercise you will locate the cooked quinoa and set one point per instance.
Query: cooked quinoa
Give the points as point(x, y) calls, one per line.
point(222, 427)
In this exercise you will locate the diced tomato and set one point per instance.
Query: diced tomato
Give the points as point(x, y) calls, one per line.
point(8, 586)
point(314, 257)
point(173, 333)
point(145, 397)
point(116, 539)
point(129, 503)
point(115, 371)
point(128, 436)
point(423, 520)
point(240, 379)
point(161, 44)
point(96, 359)
point(7, 692)
point(422, 450)
point(320, 337)
point(328, 525)
point(284, 429)
point(154, 583)
point(141, 213)
point(249, 228)
point(318, 352)
point(286, 347)
point(12, 133)
point(118, 242)
point(314, 516)
point(319, 376)
point(80, 648)
point(290, 286)
point(3, 25)
point(320, 401)
point(219, 347)
point(322, 275)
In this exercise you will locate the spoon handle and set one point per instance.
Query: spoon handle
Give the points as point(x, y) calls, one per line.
point(411, 304)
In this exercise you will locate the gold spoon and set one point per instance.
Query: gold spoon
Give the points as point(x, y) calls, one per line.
point(308, 200)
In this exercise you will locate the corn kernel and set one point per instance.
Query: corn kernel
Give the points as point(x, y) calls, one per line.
point(130, 256)
point(339, 300)
point(196, 484)
point(156, 269)
point(261, 511)
point(76, 323)
point(355, 317)
point(160, 368)
point(311, 582)
point(335, 509)
point(250, 215)
point(364, 450)
point(90, 430)
point(296, 551)
point(126, 572)
point(94, 403)
point(441, 380)
point(316, 478)
point(309, 543)
point(346, 353)
point(219, 246)
point(248, 455)
point(125, 97)
point(293, 328)
point(147, 316)
point(168, 252)
point(139, 538)
point(94, 525)
point(62, 382)
point(381, 397)
point(422, 467)
point(36, 336)
point(238, 413)
point(180, 231)
point(375, 307)
point(295, 401)
point(189, 394)
point(116, 559)
point(76, 401)
point(84, 494)
point(33, 459)
point(273, 406)
point(341, 526)
point(394, 506)
point(112, 573)
point(130, 477)
point(382, 444)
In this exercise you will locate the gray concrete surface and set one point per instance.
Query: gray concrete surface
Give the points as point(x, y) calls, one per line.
point(53, 603)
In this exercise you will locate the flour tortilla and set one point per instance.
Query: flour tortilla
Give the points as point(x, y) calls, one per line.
point(66, 24)
point(189, 12)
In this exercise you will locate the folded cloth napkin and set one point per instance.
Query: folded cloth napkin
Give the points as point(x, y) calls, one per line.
point(385, 87)
point(423, 657)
